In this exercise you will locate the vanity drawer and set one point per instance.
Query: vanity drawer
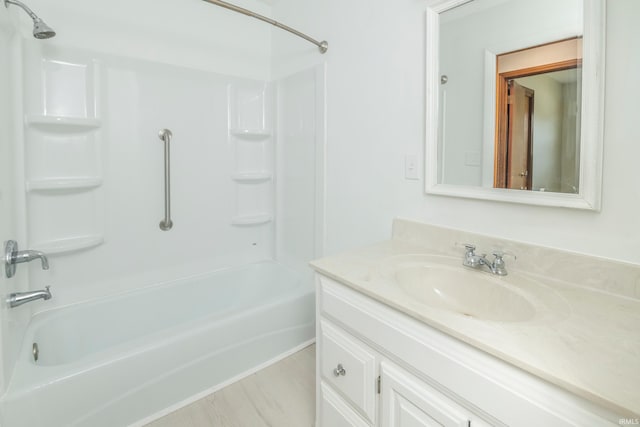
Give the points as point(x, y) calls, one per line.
point(349, 366)
point(334, 412)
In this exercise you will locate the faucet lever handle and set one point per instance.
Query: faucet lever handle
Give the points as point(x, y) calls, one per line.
point(501, 254)
point(470, 248)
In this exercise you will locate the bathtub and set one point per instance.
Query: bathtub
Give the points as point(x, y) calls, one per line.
point(131, 358)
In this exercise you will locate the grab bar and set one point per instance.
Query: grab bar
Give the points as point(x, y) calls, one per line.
point(165, 136)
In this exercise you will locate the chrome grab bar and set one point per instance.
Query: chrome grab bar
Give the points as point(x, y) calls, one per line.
point(165, 136)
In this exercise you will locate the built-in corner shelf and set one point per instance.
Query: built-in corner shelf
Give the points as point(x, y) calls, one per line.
point(57, 184)
point(69, 245)
point(251, 134)
point(251, 219)
point(251, 177)
point(62, 124)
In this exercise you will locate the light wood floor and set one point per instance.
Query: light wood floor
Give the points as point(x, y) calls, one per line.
point(281, 395)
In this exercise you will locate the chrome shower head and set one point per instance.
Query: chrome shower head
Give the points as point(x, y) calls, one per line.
point(40, 29)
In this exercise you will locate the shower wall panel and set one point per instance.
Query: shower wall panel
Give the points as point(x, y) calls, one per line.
point(12, 323)
point(299, 157)
point(94, 171)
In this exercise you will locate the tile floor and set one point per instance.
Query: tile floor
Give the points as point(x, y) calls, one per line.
point(281, 395)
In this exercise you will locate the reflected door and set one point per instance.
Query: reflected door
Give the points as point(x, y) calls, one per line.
point(519, 136)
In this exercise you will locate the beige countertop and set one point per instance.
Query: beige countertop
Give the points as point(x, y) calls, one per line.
point(583, 339)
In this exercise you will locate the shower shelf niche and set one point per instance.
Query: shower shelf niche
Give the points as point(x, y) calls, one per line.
point(251, 177)
point(251, 134)
point(257, 219)
point(58, 184)
point(71, 244)
point(62, 124)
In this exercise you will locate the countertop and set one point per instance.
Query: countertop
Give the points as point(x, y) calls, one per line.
point(586, 341)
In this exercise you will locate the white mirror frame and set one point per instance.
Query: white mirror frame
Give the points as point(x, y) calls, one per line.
point(593, 66)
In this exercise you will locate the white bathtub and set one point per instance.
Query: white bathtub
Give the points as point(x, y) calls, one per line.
point(126, 359)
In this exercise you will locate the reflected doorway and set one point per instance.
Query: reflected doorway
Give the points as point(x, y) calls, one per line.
point(520, 104)
point(537, 119)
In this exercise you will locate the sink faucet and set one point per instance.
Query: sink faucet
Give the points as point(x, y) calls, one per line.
point(13, 256)
point(19, 298)
point(497, 266)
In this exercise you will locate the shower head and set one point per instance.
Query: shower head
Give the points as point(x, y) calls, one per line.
point(40, 29)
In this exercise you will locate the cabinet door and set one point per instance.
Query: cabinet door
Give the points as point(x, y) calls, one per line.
point(334, 412)
point(410, 402)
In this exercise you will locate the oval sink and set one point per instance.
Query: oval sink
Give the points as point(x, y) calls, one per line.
point(467, 292)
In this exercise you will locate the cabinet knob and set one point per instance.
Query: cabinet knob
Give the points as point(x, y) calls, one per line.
point(339, 371)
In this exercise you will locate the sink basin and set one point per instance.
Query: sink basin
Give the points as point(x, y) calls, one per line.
point(443, 283)
point(470, 293)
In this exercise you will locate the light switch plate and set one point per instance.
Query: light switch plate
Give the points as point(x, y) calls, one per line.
point(411, 166)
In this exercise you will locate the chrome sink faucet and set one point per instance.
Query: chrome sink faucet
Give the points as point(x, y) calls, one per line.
point(497, 266)
point(19, 298)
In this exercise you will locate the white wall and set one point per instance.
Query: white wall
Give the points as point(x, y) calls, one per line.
point(375, 114)
point(547, 130)
point(570, 158)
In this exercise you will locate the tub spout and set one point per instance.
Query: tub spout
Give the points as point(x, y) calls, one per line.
point(19, 298)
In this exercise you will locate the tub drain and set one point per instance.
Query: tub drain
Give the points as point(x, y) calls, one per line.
point(35, 351)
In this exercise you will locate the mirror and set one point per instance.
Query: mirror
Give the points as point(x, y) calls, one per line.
point(515, 100)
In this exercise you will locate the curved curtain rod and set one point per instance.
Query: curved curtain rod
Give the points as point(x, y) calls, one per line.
point(323, 45)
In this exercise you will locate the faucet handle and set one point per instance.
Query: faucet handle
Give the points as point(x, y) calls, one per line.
point(501, 254)
point(13, 256)
point(498, 265)
point(10, 253)
point(470, 248)
point(470, 258)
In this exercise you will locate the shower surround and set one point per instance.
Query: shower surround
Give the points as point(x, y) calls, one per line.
point(144, 320)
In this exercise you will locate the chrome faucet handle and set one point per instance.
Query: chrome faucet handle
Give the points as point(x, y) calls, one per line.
point(10, 252)
point(501, 254)
point(470, 258)
point(30, 255)
point(470, 248)
point(13, 256)
point(498, 266)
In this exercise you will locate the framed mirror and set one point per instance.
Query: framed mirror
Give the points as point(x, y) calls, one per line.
point(514, 100)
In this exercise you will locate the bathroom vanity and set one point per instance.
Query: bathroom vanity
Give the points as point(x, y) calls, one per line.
point(408, 336)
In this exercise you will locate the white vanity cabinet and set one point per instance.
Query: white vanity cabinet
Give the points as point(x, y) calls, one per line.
point(349, 367)
point(406, 401)
point(379, 367)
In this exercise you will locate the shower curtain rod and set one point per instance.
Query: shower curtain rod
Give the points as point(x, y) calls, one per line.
point(323, 45)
